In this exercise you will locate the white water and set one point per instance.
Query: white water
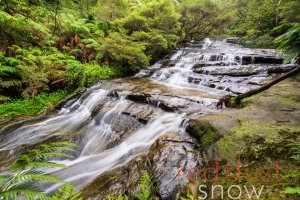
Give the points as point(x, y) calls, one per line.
point(85, 169)
point(68, 120)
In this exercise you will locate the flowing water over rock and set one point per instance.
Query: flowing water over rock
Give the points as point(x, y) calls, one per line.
point(126, 126)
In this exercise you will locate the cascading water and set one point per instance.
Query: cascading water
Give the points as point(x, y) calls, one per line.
point(114, 122)
point(210, 68)
point(84, 169)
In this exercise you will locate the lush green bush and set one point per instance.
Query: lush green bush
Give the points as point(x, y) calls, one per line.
point(94, 72)
point(264, 41)
point(125, 53)
point(30, 106)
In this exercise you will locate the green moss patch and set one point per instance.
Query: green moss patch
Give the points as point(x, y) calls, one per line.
point(204, 132)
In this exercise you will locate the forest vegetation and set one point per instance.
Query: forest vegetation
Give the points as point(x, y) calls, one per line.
point(50, 49)
point(52, 45)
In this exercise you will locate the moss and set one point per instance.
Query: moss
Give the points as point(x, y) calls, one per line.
point(290, 99)
point(204, 132)
point(257, 139)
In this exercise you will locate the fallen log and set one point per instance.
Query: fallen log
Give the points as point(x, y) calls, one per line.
point(235, 101)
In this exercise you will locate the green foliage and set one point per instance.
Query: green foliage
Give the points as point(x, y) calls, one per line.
point(26, 107)
point(264, 41)
point(110, 9)
point(153, 23)
point(17, 28)
point(124, 52)
point(202, 18)
point(146, 187)
point(189, 196)
point(66, 192)
point(26, 171)
point(94, 72)
point(116, 198)
point(289, 43)
point(290, 190)
point(296, 152)
point(9, 73)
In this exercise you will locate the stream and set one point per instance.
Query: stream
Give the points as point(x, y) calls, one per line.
point(126, 126)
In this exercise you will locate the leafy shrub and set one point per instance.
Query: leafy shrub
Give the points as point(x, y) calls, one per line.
point(125, 53)
point(94, 72)
point(264, 41)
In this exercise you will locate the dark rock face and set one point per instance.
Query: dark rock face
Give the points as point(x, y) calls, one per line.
point(141, 98)
point(268, 60)
point(169, 161)
point(113, 93)
point(232, 40)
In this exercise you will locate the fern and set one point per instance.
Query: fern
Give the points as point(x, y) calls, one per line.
point(24, 173)
point(4, 99)
point(67, 193)
point(146, 187)
point(120, 197)
point(290, 190)
point(36, 157)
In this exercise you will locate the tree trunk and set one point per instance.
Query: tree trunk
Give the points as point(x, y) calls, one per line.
point(235, 101)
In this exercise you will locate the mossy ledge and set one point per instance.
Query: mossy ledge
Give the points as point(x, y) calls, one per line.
point(204, 132)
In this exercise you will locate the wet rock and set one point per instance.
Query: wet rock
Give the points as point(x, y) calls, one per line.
point(140, 98)
point(247, 60)
point(170, 158)
point(281, 68)
point(164, 62)
point(113, 94)
point(232, 40)
point(267, 60)
point(144, 121)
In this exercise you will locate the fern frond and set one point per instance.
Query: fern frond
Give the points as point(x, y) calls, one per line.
point(10, 83)
point(29, 191)
point(38, 176)
point(146, 187)
point(67, 192)
point(4, 99)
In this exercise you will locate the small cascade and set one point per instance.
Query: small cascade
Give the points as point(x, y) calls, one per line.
point(85, 169)
point(207, 43)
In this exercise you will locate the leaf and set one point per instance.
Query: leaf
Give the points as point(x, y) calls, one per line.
point(295, 190)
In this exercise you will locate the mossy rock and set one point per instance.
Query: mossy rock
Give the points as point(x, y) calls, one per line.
point(204, 132)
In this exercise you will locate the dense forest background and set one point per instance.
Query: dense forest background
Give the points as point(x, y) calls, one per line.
point(50, 48)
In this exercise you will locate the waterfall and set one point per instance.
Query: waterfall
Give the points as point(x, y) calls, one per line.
point(115, 121)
